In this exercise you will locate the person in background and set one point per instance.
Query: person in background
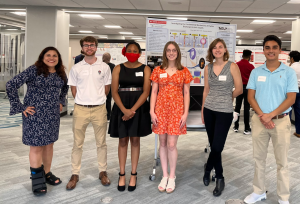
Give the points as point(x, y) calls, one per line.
point(106, 58)
point(79, 57)
point(295, 64)
point(169, 107)
point(245, 69)
point(272, 89)
point(130, 118)
point(90, 83)
point(220, 75)
point(47, 88)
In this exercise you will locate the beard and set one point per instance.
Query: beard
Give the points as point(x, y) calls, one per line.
point(89, 54)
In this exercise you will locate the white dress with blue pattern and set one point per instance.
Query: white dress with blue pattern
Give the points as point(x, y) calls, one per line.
point(44, 94)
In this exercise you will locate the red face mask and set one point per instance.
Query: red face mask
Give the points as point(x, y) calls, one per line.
point(132, 57)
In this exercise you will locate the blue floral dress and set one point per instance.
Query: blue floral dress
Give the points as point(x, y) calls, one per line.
point(44, 94)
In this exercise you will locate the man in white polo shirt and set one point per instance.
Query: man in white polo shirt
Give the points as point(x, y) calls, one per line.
point(90, 82)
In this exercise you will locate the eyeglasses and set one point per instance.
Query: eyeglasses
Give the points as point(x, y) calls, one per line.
point(168, 51)
point(87, 46)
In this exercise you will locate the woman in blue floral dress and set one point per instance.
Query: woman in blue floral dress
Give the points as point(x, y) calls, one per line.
point(46, 91)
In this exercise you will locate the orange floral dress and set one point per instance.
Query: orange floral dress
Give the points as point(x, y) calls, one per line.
point(169, 105)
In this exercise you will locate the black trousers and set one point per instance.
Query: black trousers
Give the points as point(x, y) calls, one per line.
point(217, 125)
point(239, 100)
point(108, 105)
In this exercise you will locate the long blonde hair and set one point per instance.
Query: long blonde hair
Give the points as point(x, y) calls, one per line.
point(165, 63)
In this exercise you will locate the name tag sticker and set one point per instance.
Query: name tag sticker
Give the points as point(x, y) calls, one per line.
point(164, 75)
point(222, 78)
point(139, 74)
point(262, 78)
point(85, 72)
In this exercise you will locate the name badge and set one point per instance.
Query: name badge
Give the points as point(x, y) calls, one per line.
point(164, 75)
point(139, 74)
point(85, 72)
point(262, 78)
point(222, 78)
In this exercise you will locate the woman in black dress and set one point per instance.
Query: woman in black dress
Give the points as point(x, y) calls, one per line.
point(47, 88)
point(130, 117)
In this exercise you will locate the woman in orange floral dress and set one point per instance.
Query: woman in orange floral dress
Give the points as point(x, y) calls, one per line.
point(169, 109)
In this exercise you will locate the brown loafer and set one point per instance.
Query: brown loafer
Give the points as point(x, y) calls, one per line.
point(104, 179)
point(297, 135)
point(72, 183)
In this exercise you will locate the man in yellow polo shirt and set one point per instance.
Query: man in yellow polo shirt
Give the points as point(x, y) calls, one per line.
point(272, 90)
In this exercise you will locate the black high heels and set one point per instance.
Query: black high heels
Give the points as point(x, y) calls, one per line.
point(121, 188)
point(132, 188)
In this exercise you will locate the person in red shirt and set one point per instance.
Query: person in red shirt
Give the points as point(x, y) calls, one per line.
point(245, 68)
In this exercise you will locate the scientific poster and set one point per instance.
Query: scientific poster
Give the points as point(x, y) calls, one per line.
point(193, 39)
point(258, 58)
point(115, 51)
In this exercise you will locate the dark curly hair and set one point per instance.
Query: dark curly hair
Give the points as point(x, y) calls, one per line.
point(42, 68)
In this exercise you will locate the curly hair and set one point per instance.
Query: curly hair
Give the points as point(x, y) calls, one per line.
point(210, 57)
point(42, 68)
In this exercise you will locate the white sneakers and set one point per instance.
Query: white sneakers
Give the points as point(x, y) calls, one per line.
point(283, 202)
point(253, 198)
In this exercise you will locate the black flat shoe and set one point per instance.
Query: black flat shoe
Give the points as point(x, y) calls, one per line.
point(206, 178)
point(121, 188)
point(132, 188)
point(220, 185)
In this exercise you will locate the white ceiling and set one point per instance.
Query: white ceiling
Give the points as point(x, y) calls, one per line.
point(137, 24)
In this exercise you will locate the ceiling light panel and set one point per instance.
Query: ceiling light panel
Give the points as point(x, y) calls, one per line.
point(263, 21)
point(85, 31)
point(244, 31)
point(177, 18)
point(112, 26)
point(126, 33)
point(93, 16)
point(19, 13)
point(293, 2)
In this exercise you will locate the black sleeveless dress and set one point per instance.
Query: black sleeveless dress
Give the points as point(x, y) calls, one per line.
point(140, 124)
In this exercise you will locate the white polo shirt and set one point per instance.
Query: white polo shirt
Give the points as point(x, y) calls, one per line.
point(296, 67)
point(90, 81)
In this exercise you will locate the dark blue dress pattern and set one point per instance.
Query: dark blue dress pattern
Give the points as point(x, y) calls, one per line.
point(44, 94)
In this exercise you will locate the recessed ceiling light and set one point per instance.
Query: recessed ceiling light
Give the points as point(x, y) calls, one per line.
point(177, 18)
point(112, 26)
point(102, 36)
point(85, 31)
point(91, 16)
point(137, 38)
point(262, 21)
point(244, 31)
point(237, 36)
point(288, 32)
point(70, 25)
point(174, 2)
point(19, 13)
point(11, 29)
point(126, 33)
point(293, 2)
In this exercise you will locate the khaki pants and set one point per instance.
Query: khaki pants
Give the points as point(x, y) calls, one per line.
point(280, 136)
point(82, 116)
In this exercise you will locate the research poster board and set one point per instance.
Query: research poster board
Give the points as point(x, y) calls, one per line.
point(258, 58)
point(115, 50)
point(193, 38)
